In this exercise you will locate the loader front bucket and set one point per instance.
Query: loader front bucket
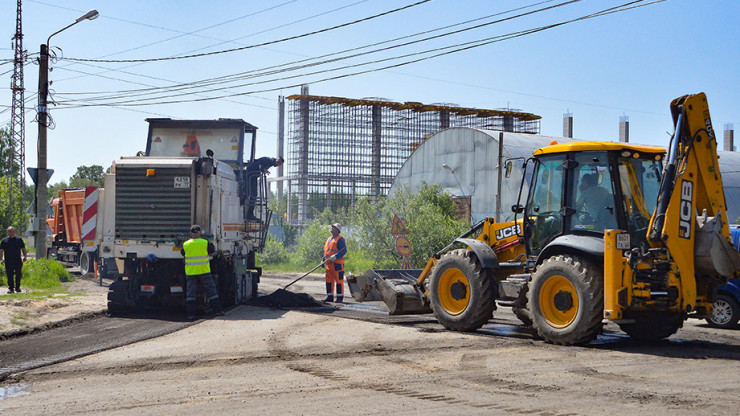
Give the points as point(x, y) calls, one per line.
point(396, 288)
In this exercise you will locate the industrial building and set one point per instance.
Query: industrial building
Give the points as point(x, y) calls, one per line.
point(340, 149)
point(465, 162)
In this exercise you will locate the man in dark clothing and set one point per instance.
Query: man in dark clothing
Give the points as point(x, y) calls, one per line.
point(253, 171)
point(12, 247)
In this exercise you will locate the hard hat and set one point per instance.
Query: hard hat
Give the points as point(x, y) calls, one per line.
point(195, 228)
point(337, 226)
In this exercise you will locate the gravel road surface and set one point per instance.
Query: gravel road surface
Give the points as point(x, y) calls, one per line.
point(357, 360)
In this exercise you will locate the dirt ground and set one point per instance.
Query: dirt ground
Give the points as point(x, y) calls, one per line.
point(84, 297)
point(258, 360)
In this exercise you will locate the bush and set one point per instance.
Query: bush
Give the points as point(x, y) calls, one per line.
point(273, 253)
point(310, 249)
point(428, 216)
point(44, 274)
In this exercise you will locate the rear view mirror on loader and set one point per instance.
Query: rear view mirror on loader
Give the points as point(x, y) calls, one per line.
point(507, 169)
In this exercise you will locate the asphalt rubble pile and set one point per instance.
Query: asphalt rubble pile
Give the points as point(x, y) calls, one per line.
point(286, 298)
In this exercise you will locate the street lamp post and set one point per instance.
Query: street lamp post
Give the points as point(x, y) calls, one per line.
point(40, 207)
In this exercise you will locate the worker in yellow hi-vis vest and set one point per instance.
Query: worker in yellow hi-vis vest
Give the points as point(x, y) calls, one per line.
point(198, 271)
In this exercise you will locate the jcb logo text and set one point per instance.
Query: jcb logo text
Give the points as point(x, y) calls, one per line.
point(686, 213)
point(508, 232)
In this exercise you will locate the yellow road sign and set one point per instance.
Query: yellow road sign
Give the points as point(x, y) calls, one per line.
point(397, 227)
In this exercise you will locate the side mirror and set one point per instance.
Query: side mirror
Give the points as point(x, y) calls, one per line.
point(518, 208)
point(507, 169)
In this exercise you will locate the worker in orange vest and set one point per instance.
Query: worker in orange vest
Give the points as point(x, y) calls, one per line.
point(334, 251)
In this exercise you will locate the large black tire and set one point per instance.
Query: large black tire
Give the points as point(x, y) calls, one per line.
point(117, 294)
point(653, 326)
point(566, 300)
point(255, 287)
point(462, 294)
point(725, 312)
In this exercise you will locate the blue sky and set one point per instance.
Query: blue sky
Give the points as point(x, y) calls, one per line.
point(630, 63)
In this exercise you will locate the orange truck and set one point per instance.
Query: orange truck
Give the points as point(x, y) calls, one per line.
point(66, 230)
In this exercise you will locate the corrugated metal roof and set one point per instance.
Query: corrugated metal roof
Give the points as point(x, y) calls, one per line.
point(472, 154)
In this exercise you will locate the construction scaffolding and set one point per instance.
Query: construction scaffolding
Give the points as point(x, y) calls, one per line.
point(340, 149)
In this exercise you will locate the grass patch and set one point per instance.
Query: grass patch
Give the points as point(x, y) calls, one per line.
point(41, 279)
point(356, 262)
point(19, 318)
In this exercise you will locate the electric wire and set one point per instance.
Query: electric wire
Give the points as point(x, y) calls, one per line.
point(442, 51)
point(240, 75)
point(272, 42)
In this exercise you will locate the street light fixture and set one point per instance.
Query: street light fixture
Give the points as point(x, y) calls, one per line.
point(39, 225)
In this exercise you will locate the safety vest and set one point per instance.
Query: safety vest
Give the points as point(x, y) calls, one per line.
point(330, 249)
point(196, 257)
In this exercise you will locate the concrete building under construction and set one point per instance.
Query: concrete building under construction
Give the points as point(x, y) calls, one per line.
point(340, 149)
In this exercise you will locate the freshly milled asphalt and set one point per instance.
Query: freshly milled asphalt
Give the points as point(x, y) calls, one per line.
point(80, 339)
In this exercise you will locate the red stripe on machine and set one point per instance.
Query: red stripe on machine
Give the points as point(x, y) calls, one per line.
point(90, 214)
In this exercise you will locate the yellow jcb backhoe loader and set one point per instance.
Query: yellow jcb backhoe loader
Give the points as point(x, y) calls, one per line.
point(608, 231)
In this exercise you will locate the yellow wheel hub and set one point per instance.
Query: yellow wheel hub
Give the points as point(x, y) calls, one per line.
point(454, 291)
point(558, 301)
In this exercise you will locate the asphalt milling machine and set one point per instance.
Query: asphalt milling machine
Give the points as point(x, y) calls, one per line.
point(605, 231)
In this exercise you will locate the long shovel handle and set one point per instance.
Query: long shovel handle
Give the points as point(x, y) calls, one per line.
point(291, 283)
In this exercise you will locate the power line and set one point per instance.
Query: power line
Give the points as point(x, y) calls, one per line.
point(256, 45)
point(442, 51)
point(272, 70)
point(222, 42)
point(203, 29)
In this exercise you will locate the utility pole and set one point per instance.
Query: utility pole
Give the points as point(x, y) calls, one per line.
point(17, 119)
point(40, 204)
point(39, 225)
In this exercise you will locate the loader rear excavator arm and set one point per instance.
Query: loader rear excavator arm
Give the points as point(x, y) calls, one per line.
point(691, 184)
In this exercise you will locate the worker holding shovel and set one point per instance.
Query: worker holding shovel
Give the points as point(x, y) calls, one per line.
point(334, 251)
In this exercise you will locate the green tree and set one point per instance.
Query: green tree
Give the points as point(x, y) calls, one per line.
point(8, 166)
point(53, 191)
point(429, 216)
point(15, 215)
point(310, 248)
point(93, 175)
point(273, 253)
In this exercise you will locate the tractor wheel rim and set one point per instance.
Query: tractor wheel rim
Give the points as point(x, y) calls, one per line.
point(450, 297)
point(558, 286)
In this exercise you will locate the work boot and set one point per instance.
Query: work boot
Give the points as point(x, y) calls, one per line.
point(216, 309)
point(190, 308)
point(329, 298)
point(10, 291)
point(340, 298)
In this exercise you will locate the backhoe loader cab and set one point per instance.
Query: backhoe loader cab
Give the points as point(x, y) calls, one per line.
point(579, 190)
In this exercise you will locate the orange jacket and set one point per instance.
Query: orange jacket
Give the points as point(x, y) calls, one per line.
point(332, 247)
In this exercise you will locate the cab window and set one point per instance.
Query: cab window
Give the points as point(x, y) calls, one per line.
point(544, 215)
point(594, 194)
